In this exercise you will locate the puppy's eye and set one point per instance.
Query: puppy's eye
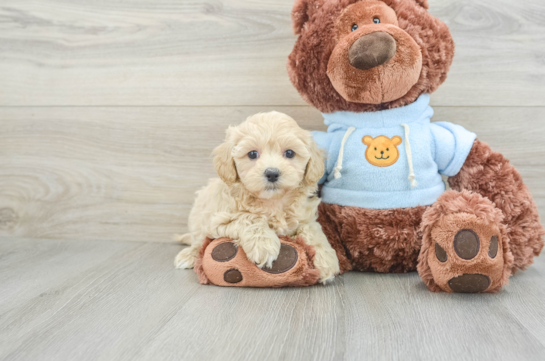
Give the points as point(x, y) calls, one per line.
point(253, 154)
point(289, 153)
point(354, 27)
point(376, 20)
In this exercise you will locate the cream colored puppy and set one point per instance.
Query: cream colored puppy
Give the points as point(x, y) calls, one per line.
point(269, 169)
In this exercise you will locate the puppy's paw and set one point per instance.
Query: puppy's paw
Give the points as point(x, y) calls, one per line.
point(262, 250)
point(186, 258)
point(327, 263)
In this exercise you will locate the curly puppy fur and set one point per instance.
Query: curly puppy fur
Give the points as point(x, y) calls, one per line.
point(244, 206)
point(314, 22)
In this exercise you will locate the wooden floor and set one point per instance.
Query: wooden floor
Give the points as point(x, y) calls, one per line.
point(108, 113)
point(77, 300)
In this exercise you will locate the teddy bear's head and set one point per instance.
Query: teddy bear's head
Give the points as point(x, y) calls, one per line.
point(367, 55)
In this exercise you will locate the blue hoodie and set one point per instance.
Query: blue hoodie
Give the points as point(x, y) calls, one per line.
point(392, 158)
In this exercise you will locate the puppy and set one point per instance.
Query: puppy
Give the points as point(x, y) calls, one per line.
point(269, 169)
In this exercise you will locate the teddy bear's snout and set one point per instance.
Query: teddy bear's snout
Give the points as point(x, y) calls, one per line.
point(372, 50)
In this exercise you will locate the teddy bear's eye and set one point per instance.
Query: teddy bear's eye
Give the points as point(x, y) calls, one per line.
point(253, 154)
point(354, 27)
point(376, 20)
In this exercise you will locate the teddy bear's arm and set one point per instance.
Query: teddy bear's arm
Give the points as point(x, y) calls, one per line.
point(491, 175)
point(452, 145)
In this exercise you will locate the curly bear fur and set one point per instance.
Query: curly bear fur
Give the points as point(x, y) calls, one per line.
point(487, 188)
point(314, 22)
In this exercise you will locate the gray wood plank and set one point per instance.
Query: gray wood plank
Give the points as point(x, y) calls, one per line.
point(233, 52)
point(53, 263)
point(131, 173)
point(255, 324)
point(133, 305)
point(107, 312)
point(394, 315)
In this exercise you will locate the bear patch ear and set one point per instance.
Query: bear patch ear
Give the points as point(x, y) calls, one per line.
point(367, 140)
point(397, 140)
point(423, 3)
point(299, 15)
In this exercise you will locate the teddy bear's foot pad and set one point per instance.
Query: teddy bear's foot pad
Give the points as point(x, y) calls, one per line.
point(466, 260)
point(287, 258)
point(467, 246)
point(221, 262)
point(469, 283)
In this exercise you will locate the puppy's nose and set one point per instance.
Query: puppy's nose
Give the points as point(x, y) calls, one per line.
point(272, 174)
point(372, 50)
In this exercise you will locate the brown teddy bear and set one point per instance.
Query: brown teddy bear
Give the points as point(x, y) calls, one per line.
point(369, 67)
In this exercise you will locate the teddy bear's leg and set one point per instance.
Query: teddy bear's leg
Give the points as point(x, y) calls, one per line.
point(330, 218)
point(464, 247)
point(490, 174)
point(221, 262)
point(373, 240)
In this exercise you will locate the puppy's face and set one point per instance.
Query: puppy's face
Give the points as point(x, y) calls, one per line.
point(270, 155)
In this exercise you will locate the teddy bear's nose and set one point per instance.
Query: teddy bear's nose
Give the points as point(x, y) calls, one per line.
point(372, 50)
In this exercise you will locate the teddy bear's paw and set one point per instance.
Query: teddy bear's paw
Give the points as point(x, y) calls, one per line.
point(466, 255)
point(226, 264)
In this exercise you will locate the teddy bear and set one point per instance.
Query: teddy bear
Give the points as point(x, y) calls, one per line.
point(370, 66)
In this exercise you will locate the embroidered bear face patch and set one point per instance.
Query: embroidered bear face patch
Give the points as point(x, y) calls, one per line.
point(382, 151)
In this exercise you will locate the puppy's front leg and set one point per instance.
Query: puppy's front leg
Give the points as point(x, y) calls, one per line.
point(325, 260)
point(259, 242)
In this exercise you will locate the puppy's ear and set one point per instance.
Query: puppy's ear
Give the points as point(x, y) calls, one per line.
point(224, 161)
point(316, 164)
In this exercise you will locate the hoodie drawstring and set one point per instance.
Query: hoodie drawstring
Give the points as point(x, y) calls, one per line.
point(412, 176)
point(339, 165)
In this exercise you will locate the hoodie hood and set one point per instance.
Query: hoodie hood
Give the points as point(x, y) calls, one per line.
point(414, 112)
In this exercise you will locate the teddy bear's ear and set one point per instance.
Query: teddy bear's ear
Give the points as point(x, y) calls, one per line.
point(299, 15)
point(423, 3)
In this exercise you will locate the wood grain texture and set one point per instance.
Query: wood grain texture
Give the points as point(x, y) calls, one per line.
point(131, 173)
point(233, 52)
point(125, 301)
point(109, 110)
